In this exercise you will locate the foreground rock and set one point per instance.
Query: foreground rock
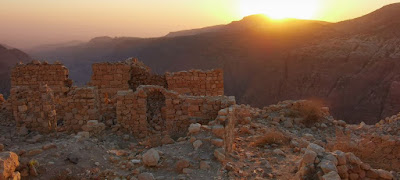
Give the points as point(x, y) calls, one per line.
point(8, 163)
point(151, 157)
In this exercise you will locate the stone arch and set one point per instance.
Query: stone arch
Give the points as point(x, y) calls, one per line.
point(156, 106)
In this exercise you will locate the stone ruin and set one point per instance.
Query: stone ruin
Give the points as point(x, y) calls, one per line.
point(190, 105)
point(126, 94)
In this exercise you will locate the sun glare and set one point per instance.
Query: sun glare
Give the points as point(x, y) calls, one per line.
point(280, 9)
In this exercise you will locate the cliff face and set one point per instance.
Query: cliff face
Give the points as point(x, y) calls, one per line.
point(354, 76)
point(349, 65)
point(8, 58)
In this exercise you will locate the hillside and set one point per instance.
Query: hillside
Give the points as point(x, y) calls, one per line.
point(8, 58)
point(353, 66)
point(195, 31)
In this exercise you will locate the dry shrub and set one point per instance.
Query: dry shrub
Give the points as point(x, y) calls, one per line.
point(310, 111)
point(271, 137)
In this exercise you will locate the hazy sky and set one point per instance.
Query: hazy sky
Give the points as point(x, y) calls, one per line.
point(27, 23)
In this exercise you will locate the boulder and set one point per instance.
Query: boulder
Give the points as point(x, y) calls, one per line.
point(181, 164)
point(220, 154)
point(353, 159)
point(204, 165)
point(340, 156)
point(385, 174)
point(194, 128)
point(197, 144)
point(8, 163)
point(146, 176)
point(151, 158)
point(331, 176)
point(327, 166)
point(217, 142)
point(316, 148)
point(219, 131)
point(309, 157)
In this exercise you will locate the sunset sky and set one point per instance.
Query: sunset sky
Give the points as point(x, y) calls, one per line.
point(28, 23)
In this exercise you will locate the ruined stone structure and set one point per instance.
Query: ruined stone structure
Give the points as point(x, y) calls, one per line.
point(197, 83)
point(378, 150)
point(125, 93)
point(36, 74)
point(34, 109)
point(151, 109)
point(78, 107)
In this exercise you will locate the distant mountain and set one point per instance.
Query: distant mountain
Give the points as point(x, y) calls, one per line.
point(8, 59)
point(195, 31)
point(54, 47)
point(6, 46)
point(384, 20)
point(354, 65)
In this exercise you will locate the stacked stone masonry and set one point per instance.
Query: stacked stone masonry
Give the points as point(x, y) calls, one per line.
point(168, 112)
point(320, 164)
point(36, 74)
point(80, 106)
point(109, 78)
point(141, 75)
point(34, 109)
point(125, 92)
point(227, 120)
point(382, 151)
point(197, 83)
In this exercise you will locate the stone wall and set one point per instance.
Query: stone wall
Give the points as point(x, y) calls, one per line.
point(141, 75)
point(227, 121)
point(382, 151)
point(153, 109)
point(320, 164)
point(196, 82)
point(109, 78)
point(34, 109)
point(80, 106)
point(6, 117)
point(145, 104)
point(36, 74)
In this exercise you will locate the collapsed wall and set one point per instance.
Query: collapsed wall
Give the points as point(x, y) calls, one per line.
point(317, 163)
point(141, 75)
point(109, 78)
point(34, 109)
point(382, 151)
point(196, 82)
point(153, 109)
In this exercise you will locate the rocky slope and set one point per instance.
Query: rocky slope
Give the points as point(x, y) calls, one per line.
point(8, 58)
point(288, 140)
point(350, 65)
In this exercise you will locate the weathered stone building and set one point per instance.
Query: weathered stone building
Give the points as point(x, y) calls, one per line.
point(124, 93)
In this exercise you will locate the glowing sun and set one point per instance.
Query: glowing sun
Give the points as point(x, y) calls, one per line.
point(280, 9)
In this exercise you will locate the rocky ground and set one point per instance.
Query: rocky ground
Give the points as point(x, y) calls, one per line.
point(289, 140)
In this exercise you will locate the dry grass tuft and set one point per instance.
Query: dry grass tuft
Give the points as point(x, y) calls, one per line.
point(271, 137)
point(311, 112)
